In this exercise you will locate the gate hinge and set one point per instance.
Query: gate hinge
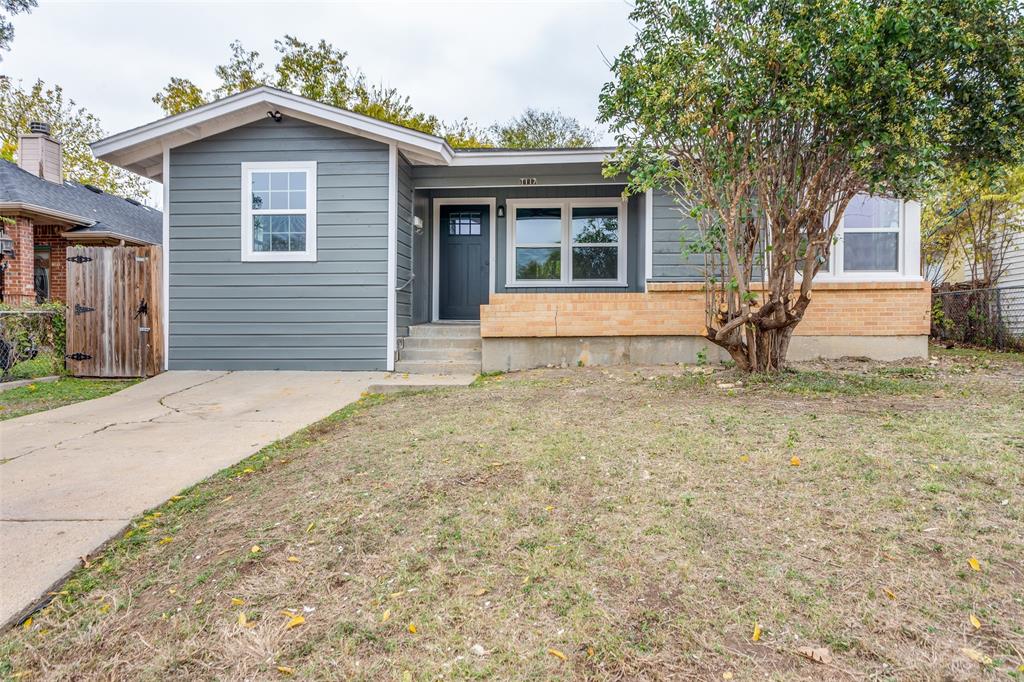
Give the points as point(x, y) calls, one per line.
point(78, 357)
point(79, 259)
point(80, 309)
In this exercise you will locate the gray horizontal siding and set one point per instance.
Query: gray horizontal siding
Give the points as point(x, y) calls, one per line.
point(329, 315)
point(510, 176)
point(404, 266)
point(669, 227)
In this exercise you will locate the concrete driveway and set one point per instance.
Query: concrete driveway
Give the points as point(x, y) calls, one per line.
point(73, 477)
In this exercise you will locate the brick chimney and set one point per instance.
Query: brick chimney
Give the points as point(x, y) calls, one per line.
point(39, 154)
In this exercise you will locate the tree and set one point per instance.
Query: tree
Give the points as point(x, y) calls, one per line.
point(536, 128)
point(74, 126)
point(11, 8)
point(318, 72)
point(971, 220)
point(764, 118)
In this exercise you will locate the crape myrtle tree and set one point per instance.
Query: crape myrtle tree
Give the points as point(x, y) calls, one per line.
point(764, 118)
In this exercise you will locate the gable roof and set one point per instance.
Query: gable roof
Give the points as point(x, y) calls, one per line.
point(141, 149)
point(89, 212)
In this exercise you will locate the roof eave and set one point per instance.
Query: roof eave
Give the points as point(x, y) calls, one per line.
point(140, 149)
point(100, 235)
point(52, 213)
point(524, 157)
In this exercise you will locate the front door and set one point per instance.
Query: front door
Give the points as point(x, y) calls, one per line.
point(464, 276)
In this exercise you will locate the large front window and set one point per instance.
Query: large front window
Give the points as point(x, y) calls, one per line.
point(576, 242)
point(279, 211)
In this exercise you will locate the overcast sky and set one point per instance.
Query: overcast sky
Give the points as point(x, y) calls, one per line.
point(484, 60)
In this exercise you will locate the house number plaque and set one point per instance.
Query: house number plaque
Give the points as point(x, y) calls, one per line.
point(527, 181)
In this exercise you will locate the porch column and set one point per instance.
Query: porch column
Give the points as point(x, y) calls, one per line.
point(18, 286)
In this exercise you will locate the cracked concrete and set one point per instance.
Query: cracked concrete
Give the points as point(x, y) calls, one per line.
point(73, 477)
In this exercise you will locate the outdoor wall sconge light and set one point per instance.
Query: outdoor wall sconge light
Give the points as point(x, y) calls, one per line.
point(501, 211)
point(417, 223)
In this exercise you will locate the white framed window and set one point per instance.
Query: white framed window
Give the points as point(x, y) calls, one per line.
point(871, 236)
point(279, 211)
point(566, 242)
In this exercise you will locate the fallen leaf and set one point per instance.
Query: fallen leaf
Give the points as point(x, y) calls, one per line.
point(817, 654)
point(235, 601)
point(310, 526)
point(294, 559)
point(385, 616)
point(228, 498)
point(256, 549)
point(105, 607)
point(974, 564)
point(975, 622)
point(27, 625)
point(794, 461)
point(166, 540)
point(175, 498)
point(757, 633)
point(727, 675)
point(295, 622)
point(890, 594)
point(172, 590)
point(744, 458)
point(976, 656)
point(480, 592)
point(248, 470)
point(557, 654)
point(285, 670)
point(412, 628)
point(242, 620)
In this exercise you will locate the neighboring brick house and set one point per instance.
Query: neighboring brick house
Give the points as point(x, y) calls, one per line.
point(45, 214)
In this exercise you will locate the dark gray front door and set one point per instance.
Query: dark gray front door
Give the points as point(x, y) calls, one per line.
point(463, 280)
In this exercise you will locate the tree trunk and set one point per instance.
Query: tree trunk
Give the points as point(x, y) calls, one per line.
point(763, 351)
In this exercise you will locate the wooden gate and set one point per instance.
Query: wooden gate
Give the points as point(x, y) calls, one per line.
point(113, 316)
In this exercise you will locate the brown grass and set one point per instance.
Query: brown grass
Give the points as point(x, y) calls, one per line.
point(639, 522)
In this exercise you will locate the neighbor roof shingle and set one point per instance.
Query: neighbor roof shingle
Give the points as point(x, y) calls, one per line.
point(108, 212)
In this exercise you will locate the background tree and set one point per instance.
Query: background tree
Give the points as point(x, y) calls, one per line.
point(317, 71)
point(536, 128)
point(970, 222)
point(766, 117)
point(9, 8)
point(72, 125)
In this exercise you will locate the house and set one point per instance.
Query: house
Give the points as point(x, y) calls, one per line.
point(303, 236)
point(44, 214)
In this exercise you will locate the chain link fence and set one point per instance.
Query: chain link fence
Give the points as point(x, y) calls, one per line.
point(993, 318)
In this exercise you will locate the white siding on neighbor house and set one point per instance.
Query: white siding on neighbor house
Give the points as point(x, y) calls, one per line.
point(1013, 276)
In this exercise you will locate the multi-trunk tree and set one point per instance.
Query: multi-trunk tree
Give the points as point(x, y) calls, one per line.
point(766, 117)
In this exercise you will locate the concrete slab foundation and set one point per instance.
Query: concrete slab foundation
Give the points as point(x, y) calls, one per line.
point(507, 354)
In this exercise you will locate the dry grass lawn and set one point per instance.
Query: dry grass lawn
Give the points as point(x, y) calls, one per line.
point(598, 524)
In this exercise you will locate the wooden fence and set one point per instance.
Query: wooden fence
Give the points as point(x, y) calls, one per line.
point(114, 322)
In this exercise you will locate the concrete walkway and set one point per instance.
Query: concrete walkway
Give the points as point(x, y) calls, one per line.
point(73, 477)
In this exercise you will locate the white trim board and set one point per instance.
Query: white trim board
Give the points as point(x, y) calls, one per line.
point(648, 236)
point(435, 245)
point(392, 314)
point(166, 254)
point(522, 157)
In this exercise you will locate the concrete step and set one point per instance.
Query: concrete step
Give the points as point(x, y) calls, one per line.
point(450, 331)
point(432, 342)
point(428, 367)
point(441, 354)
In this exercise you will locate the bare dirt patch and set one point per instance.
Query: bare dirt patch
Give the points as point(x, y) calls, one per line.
point(587, 523)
